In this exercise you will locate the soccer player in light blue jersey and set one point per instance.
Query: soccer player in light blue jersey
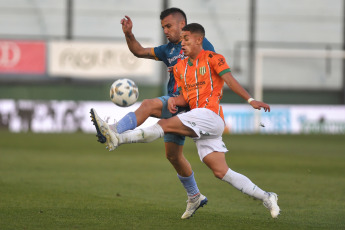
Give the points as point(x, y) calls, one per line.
point(172, 21)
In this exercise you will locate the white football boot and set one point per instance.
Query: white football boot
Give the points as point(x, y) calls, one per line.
point(104, 133)
point(193, 206)
point(271, 202)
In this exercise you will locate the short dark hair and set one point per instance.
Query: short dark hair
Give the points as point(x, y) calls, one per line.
point(173, 10)
point(194, 28)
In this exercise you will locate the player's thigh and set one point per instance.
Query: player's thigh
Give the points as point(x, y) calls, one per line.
point(174, 125)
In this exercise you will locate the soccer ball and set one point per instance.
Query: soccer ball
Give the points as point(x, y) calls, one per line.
point(124, 92)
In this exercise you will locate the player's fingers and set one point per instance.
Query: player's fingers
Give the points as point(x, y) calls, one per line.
point(128, 18)
point(124, 22)
point(172, 110)
point(267, 108)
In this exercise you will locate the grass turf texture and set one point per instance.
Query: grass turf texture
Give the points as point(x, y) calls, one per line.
point(69, 181)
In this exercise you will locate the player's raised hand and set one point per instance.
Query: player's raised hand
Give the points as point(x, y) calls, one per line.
point(258, 105)
point(127, 25)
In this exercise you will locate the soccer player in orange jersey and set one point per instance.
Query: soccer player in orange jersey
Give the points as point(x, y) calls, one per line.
point(200, 78)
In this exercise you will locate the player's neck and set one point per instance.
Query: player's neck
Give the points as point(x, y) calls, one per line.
point(194, 55)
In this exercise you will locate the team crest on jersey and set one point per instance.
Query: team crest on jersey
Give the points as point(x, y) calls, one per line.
point(181, 76)
point(202, 70)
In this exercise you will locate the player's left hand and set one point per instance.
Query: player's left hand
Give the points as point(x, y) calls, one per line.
point(258, 105)
point(172, 105)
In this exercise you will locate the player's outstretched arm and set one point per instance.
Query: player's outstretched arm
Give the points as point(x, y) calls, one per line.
point(239, 90)
point(134, 46)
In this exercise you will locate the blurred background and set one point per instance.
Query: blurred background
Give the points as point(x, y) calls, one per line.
point(59, 58)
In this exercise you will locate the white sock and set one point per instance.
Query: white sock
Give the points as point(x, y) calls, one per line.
point(244, 184)
point(143, 135)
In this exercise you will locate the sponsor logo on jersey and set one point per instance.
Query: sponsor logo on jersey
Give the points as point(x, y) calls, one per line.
point(194, 86)
point(221, 61)
point(179, 56)
point(172, 50)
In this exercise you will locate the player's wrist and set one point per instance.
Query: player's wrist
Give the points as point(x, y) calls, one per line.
point(175, 101)
point(250, 100)
point(129, 35)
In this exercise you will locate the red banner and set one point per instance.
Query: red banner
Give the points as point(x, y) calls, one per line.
point(22, 57)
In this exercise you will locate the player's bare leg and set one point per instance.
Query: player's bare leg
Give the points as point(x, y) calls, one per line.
point(217, 163)
point(175, 155)
point(182, 166)
point(185, 173)
point(174, 125)
point(148, 108)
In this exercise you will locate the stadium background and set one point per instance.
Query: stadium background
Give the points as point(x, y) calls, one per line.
point(53, 70)
point(72, 50)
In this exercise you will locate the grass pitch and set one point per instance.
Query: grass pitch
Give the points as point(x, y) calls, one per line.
point(69, 181)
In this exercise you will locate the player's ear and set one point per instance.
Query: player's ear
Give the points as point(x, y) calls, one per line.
point(182, 24)
point(200, 40)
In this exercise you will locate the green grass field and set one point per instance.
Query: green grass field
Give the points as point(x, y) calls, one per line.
point(69, 181)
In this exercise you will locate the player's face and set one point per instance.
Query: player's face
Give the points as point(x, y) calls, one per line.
point(191, 43)
point(172, 27)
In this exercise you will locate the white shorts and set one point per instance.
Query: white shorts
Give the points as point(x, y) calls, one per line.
point(209, 127)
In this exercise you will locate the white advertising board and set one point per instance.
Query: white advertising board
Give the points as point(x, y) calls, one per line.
point(72, 116)
point(96, 59)
point(58, 116)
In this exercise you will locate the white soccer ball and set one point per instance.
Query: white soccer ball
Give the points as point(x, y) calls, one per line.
point(124, 92)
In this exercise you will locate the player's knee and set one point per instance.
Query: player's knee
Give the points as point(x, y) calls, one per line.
point(219, 174)
point(173, 158)
point(152, 106)
point(165, 125)
point(147, 103)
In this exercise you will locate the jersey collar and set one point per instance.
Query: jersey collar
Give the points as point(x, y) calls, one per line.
point(178, 42)
point(190, 63)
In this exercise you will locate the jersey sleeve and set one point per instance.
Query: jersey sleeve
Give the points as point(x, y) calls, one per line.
point(218, 63)
point(159, 53)
point(206, 45)
point(154, 54)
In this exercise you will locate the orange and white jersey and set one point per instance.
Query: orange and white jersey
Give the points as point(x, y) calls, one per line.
point(200, 82)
